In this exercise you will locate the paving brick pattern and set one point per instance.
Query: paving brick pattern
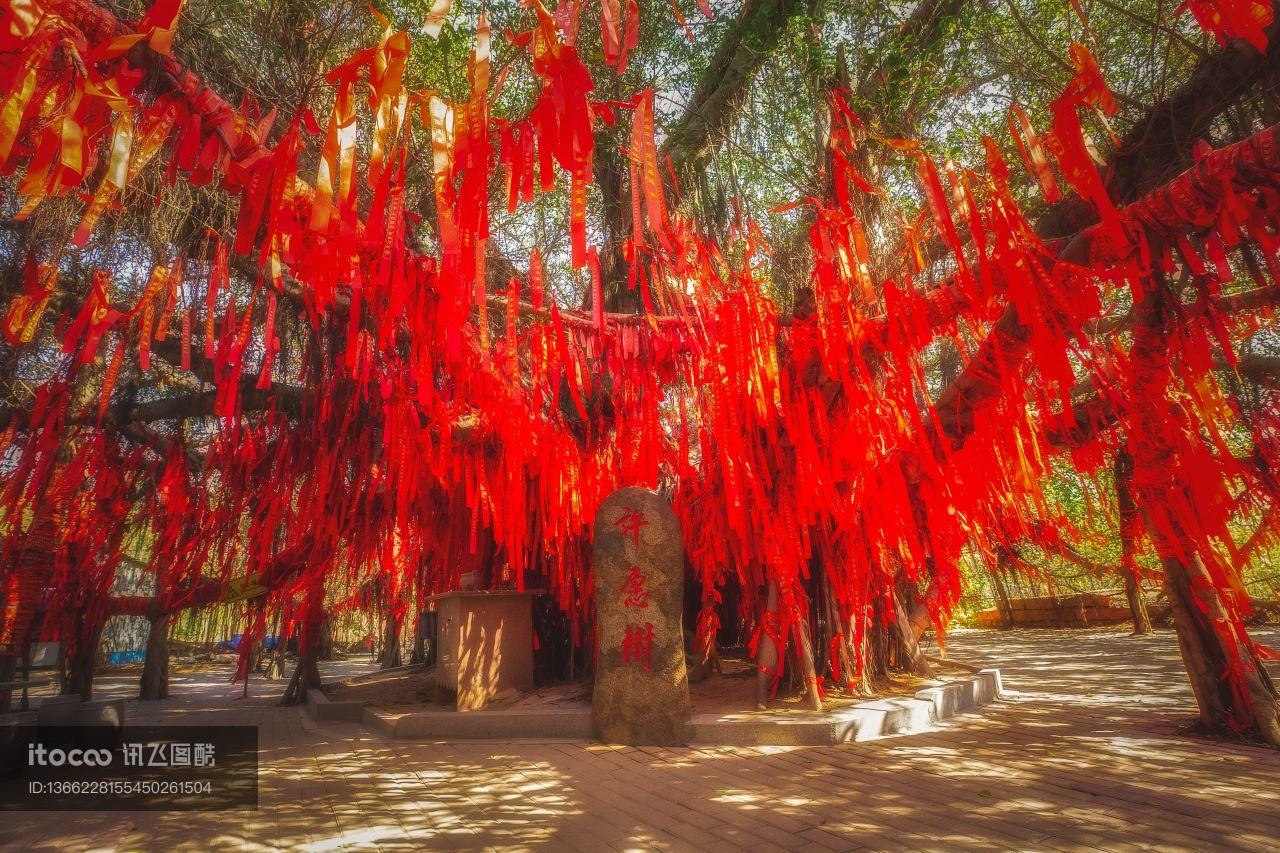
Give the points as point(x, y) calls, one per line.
point(1087, 752)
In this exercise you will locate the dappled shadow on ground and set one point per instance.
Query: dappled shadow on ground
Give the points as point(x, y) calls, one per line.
point(1107, 671)
point(1086, 752)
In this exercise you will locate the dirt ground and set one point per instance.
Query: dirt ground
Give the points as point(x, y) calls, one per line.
point(730, 691)
point(213, 662)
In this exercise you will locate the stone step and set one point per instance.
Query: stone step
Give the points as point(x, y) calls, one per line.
point(864, 721)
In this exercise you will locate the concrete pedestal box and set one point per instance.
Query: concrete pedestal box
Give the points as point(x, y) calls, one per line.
point(485, 642)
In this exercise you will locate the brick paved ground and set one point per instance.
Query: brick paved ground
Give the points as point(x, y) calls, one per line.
point(1086, 754)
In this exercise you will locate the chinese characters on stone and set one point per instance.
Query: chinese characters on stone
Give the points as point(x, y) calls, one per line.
point(634, 594)
point(630, 523)
point(637, 645)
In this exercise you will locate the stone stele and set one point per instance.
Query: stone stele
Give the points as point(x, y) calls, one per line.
point(642, 691)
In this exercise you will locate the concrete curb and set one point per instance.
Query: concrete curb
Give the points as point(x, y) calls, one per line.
point(322, 709)
point(865, 721)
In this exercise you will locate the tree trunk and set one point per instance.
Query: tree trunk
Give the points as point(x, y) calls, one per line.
point(1232, 688)
point(390, 656)
point(326, 639)
point(846, 659)
point(1210, 652)
point(1128, 511)
point(767, 657)
point(80, 667)
point(609, 170)
point(722, 88)
point(275, 667)
point(1137, 604)
point(8, 669)
point(306, 675)
point(1004, 606)
point(154, 683)
point(275, 660)
point(913, 659)
point(813, 697)
point(876, 645)
point(418, 653)
point(865, 687)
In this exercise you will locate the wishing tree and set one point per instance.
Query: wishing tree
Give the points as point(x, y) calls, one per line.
point(279, 342)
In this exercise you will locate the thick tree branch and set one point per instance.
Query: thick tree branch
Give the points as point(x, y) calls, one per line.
point(723, 86)
point(1096, 414)
point(1160, 212)
point(202, 403)
point(1158, 148)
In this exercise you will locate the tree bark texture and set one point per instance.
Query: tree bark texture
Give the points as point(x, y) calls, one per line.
point(154, 683)
point(1129, 520)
